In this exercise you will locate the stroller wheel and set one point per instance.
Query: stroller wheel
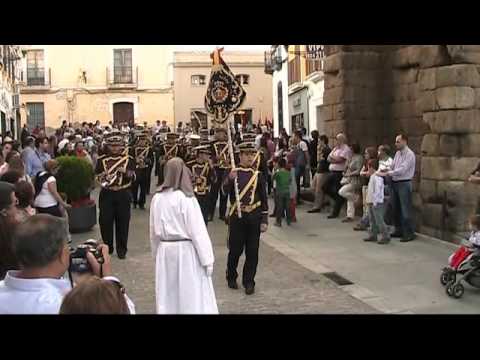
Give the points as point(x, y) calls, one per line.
point(458, 291)
point(449, 288)
point(445, 277)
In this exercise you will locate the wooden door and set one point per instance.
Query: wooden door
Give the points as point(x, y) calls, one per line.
point(123, 112)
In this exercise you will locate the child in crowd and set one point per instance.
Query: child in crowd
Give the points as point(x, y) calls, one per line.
point(283, 180)
point(293, 185)
point(474, 243)
point(374, 200)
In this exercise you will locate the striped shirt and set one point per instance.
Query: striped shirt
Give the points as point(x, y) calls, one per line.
point(403, 167)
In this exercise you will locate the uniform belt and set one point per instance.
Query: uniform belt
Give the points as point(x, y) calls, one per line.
point(249, 208)
point(117, 188)
point(401, 181)
point(175, 240)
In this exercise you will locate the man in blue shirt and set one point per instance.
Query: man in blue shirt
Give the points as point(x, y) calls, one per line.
point(34, 160)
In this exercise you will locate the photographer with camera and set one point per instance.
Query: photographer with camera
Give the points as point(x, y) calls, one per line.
point(40, 245)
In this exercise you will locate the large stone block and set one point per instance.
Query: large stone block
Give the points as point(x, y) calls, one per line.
point(436, 168)
point(458, 75)
point(470, 145)
point(459, 193)
point(477, 98)
point(455, 97)
point(406, 57)
point(469, 54)
point(432, 215)
point(433, 55)
point(326, 112)
point(428, 190)
point(449, 145)
point(430, 145)
point(427, 79)
point(454, 121)
point(405, 76)
point(462, 168)
point(332, 63)
point(413, 126)
point(332, 96)
point(415, 143)
point(331, 81)
point(427, 101)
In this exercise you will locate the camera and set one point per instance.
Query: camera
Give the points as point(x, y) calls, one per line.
point(78, 257)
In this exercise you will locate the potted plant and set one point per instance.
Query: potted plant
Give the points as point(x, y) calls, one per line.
point(75, 180)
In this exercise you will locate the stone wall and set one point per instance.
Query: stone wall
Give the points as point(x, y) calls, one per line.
point(450, 103)
point(429, 92)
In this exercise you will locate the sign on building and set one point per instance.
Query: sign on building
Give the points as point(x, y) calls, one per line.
point(314, 52)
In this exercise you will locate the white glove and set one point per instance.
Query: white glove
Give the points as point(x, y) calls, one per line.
point(209, 270)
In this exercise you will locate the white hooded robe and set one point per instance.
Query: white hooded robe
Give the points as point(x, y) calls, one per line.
point(182, 285)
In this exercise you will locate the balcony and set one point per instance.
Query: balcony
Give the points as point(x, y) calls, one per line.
point(268, 63)
point(37, 79)
point(122, 77)
point(314, 69)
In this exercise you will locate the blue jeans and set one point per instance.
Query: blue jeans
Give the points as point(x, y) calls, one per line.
point(402, 208)
point(377, 224)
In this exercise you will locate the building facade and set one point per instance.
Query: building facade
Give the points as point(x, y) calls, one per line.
point(10, 75)
point(298, 86)
point(191, 78)
point(77, 83)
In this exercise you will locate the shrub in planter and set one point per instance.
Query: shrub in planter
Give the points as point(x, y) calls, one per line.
point(75, 179)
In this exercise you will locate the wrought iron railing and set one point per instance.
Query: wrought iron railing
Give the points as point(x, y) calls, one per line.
point(122, 76)
point(38, 77)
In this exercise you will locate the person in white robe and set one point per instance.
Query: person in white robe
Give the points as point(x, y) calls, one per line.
point(181, 246)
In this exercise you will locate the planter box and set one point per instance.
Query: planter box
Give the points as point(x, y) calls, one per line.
point(82, 219)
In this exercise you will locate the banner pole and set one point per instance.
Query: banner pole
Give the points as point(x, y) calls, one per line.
point(232, 163)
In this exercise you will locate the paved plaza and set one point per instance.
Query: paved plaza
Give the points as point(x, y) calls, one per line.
point(400, 278)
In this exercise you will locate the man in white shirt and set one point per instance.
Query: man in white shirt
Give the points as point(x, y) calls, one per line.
point(376, 210)
point(41, 247)
point(338, 158)
point(64, 141)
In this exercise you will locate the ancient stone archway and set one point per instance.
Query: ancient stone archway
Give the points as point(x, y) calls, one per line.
point(430, 92)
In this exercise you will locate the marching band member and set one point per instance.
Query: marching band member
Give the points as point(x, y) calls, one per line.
point(203, 178)
point(144, 158)
point(245, 232)
point(191, 157)
point(115, 171)
point(168, 151)
point(222, 167)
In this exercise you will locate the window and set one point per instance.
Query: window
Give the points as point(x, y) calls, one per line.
point(35, 115)
point(198, 80)
point(122, 66)
point(243, 79)
point(294, 68)
point(35, 68)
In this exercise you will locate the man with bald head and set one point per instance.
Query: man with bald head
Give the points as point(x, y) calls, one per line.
point(338, 160)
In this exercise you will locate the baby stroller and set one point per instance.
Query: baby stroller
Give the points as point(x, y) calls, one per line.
point(466, 262)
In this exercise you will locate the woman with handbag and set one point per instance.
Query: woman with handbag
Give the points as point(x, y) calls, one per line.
point(351, 182)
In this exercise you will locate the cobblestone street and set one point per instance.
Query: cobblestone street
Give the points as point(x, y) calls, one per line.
point(283, 286)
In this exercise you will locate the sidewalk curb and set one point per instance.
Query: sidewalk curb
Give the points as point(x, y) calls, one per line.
point(356, 291)
point(438, 242)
